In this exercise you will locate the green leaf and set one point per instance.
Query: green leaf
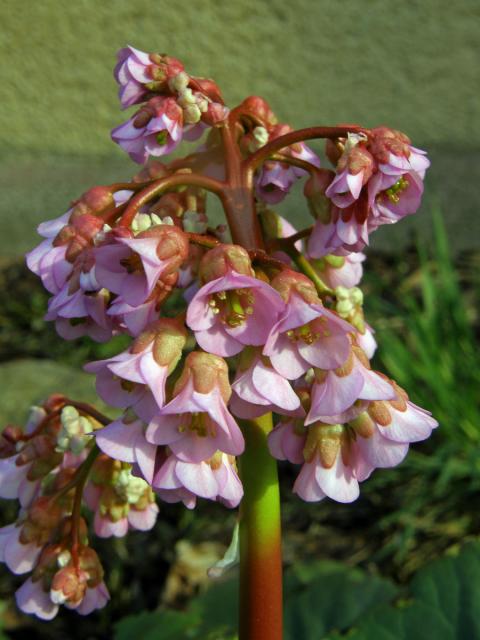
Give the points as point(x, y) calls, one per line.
point(157, 625)
point(444, 604)
point(327, 596)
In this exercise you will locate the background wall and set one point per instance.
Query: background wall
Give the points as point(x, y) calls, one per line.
point(412, 65)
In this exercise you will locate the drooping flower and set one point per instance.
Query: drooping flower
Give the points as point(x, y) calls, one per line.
point(155, 130)
point(119, 499)
point(233, 309)
point(337, 394)
point(306, 334)
point(136, 377)
point(276, 178)
point(132, 266)
point(258, 388)
point(214, 479)
point(196, 422)
point(379, 180)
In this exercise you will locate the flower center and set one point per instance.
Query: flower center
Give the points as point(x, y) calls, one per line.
point(162, 137)
point(393, 192)
point(198, 423)
point(309, 333)
point(233, 307)
point(132, 264)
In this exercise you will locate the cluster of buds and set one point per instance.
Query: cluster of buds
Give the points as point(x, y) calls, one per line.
point(44, 465)
point(226, 324)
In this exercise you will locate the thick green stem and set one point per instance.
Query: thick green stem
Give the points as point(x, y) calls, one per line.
point(260, 610)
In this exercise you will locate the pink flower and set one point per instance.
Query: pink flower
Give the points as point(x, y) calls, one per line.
point(18, 556)
point(337, 391)
point(122, 392)
point(48, 261)
point(124, 439)
point(233, 311)
point(275, 181)
point(379, 180)
point(132, 73)
point(94, 598)
point(155, 130)
point(354, 170)
point(366, 341)
point(196, 423)
point(287, 440)
point(96, 324)
point(306, 334)
point(258, 389)
point(394, 197)
point(31, 598)
point(132, 266)
point(120, 500)
point(330, 464)
point(276, 178)
point(341, 271)
point(214, 478)
point(133, 376)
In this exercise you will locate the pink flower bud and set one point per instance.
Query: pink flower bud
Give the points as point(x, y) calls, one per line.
point(206, 371)
point(219, 261)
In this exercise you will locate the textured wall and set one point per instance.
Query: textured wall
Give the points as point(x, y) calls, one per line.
point(409, 64)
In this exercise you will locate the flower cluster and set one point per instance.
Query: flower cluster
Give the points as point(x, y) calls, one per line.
point(223, 328)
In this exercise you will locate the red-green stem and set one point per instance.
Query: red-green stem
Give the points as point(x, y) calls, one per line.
point(163, 184)
point(310, 133)
point(260, 609)
point(237, 197)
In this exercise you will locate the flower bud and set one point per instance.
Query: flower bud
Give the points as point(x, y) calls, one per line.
point(169, 337)
point(261, 109)
point(219, 261)
point(210, 89)
point(314, 192)
point(73, 435)
point(68, 586)
point(288, 282)
point(384, 141)
point(153, 171)
point(97, 199)
point(172, 244)
point(179, 82)
point(324, 440)
point(206, 371)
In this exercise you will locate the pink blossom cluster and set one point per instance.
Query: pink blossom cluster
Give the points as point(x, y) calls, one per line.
point(38, 466)
point(378, 180)
point(223, 329)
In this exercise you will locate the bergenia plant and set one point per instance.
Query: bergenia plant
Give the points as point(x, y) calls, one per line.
point(248, 340)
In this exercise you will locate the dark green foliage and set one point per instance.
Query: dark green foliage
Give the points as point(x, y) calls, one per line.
point(326, 600)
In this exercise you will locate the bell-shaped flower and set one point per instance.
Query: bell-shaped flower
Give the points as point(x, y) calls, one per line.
point(258, 388)
point(329, 465)
point(276, 178)
point(19, 555)
point(155, 130)
point(139, 73)
point(233, 309)
point(287, 440)
point(354, 169)
point(337, 391)
point(196, 422)
point(124, 439)
point(48, 261)
point(340, 271)
point(306, 334)
point(136, 376)
point(214, 478)
point(131, 267)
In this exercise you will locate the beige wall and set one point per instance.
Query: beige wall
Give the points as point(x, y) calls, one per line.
point(409, 64)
